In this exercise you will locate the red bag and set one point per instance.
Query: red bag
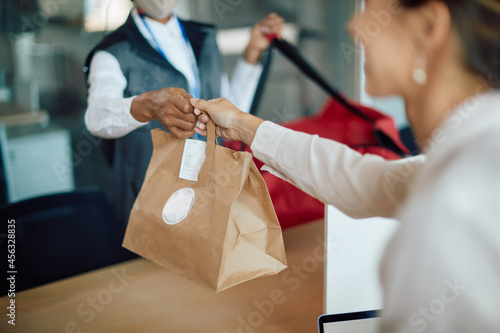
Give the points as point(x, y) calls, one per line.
point(334, 122)
point(361, 128)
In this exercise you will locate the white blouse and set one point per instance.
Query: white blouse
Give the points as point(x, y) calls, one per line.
point(441, 270)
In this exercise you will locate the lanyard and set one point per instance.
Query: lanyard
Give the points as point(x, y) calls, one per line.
point(196, 88)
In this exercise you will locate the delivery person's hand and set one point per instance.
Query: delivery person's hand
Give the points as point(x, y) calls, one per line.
point(171, 106)
point(271, 25)
point(231, 123)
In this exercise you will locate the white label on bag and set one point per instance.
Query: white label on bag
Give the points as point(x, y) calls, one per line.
point(192, 159)
point(178, 206)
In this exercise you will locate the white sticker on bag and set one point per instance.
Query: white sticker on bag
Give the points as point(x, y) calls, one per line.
point(192, 159)
point(178, 206)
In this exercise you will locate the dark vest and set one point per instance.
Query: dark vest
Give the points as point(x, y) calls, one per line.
point(146, 70)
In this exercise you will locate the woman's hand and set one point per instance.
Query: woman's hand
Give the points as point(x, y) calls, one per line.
point(231, 123)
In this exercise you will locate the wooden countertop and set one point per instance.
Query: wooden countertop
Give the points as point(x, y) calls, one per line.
point(139, 296)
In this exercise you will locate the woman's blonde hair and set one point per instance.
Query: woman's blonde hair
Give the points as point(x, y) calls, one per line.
point(477, 22)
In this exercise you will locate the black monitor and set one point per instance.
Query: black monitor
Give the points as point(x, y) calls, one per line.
point(356, 322)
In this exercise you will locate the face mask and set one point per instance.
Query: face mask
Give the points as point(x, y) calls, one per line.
point(157, 9)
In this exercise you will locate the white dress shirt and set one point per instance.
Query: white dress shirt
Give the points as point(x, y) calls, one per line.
point(441, 270)
point(108, 112)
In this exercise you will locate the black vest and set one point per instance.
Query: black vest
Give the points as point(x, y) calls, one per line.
point(146, 70)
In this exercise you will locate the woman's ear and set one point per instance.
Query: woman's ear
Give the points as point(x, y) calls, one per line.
point(433, 27)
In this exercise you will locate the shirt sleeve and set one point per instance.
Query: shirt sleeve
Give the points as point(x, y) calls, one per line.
point(108, 112)
point(241, 90)
point(359, 185)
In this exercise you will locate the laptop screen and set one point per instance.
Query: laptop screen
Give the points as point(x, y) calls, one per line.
point(358, 322)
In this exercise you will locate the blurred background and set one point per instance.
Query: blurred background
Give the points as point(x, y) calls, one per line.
point(43, 43)
point(54, 179)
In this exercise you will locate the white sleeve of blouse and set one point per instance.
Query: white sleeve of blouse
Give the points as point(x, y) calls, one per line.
point(359, 185)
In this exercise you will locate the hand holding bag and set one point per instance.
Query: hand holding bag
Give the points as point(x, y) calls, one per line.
point(219, 231)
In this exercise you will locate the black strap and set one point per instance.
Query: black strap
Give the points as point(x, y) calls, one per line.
point(262, 82)
point(293, 54)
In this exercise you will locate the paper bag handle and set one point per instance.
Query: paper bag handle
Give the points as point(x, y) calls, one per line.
point(206, 169)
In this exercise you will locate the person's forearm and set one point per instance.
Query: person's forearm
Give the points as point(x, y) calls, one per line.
point(141, 107)
point(252, 55)
point(247, 127)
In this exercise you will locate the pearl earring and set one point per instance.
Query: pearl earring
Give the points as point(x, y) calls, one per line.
point(420, 76)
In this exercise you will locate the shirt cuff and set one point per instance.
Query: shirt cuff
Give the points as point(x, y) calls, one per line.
point(275, 173)
point(266, 142)
point(128, 118)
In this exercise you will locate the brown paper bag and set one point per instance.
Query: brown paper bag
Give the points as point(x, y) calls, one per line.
point(231, 233)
